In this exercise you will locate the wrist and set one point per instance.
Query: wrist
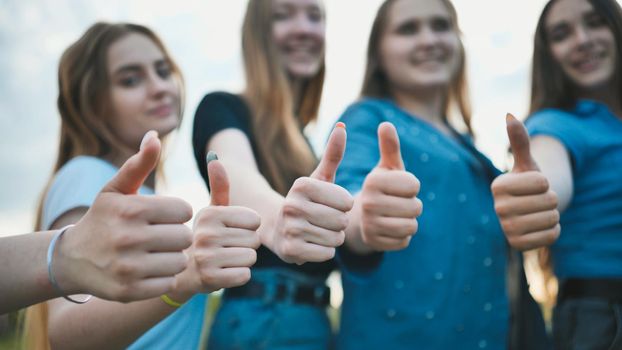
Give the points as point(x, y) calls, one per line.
point(186, 285)
point(267, 232)
point(357, 245)
point(63, 270)
point(180, 296)
point(64, 265)
point(354, 232)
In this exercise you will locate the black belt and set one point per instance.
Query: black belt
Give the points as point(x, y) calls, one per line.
point(316, 296)
point(600, 288)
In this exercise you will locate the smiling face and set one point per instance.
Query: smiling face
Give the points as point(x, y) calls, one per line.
point(581, 43)
point(298, 32)
point(420, 46)
point(144, 93)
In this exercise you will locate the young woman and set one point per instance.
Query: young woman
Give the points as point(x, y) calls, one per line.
point(446, 287)
point(573, 167)
point(258, 137)
point(115, 83)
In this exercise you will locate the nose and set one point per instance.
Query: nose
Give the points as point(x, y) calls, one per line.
point(304, 25)
point(427, 36)
point(158, 85)
point(583, 36)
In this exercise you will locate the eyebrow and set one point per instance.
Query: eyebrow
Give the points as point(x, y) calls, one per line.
point(128, 68)
point(408, 20)
point(565, 22)
point(289, 5)
point(132, 67)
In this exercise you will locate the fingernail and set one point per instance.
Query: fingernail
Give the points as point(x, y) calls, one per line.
point(150, 134)
point(211, 155)
point(340, 125)
point(509, 117)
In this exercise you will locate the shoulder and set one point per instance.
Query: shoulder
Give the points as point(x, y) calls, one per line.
point(567, 127)
point(553, 118)
point(220, 110)
point(367, 112)
point(562, 124)
point(373, 106)
point(75, 185)
point(559, 120)
point(85, 166)
point(219, 100)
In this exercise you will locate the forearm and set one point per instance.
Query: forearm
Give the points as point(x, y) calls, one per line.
point(23, 270)
point(560, 182)
point(101, 324)
point(554, 162)
point(250, 189)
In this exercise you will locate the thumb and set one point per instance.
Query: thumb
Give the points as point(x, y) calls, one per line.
point(519, 142)
point(333, 154)
point(136, 169)
point(389, 143)
point(218, 181)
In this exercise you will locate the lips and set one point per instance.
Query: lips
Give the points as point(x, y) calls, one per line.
point(588, 63)
point(429, 57)
point(302, 47)
point(430, 62)
point(161, 111)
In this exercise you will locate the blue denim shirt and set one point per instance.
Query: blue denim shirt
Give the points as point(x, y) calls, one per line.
point(447, 289)
point(590, 243)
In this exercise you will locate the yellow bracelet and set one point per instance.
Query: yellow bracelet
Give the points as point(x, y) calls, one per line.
point(170, 302)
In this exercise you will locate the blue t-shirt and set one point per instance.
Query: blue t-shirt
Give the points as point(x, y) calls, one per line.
point(76, 185)
point(590, 243)
point(447, 290)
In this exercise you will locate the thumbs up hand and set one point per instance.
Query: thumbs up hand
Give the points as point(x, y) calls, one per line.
point(313, 217)
point(225, 240)
point(126, 247)
point(389, 203)
point(525, 205)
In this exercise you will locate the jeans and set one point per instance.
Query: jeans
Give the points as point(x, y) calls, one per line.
point(587, 323)
point(254, 323)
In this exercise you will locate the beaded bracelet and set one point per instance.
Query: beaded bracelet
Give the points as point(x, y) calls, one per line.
point(50, 257)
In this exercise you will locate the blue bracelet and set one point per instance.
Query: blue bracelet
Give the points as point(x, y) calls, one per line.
point(53, 282)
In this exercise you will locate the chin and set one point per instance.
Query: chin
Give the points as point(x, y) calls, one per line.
point(166, 128)
point(594, 81)
point(433, 82)
point(307, 71)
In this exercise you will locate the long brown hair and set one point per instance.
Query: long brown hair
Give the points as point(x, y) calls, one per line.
point(376, 84)
point(550, 86)
point(277, 117)
point(83, 104)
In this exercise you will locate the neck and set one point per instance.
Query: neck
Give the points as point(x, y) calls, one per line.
point(425, 104)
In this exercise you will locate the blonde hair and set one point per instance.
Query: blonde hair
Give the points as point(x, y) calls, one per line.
point(277, 118)
point(83, 104)
point(375, 83)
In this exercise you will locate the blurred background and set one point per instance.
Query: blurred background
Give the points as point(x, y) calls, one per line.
point(204, 38)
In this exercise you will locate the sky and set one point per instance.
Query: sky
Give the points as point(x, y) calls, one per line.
point(204, 38)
